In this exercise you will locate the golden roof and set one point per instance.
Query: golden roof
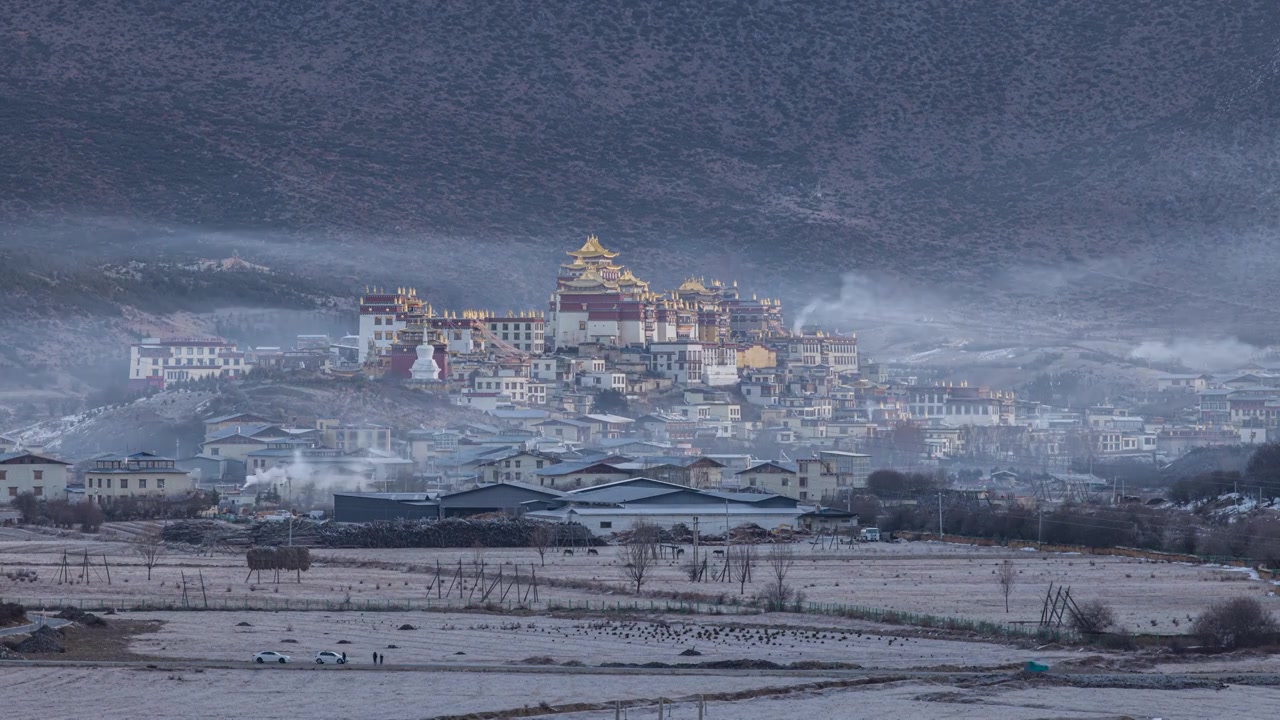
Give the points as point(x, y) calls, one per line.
point(626, 278)
point(592, 249)
point(589, 279)
point(692, 285)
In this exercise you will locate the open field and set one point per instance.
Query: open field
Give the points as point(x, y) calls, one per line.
point(1012, 700)
point(178, 690)
point(925, 578)
point(482, 638)
point(548, 663)
point(53, 693)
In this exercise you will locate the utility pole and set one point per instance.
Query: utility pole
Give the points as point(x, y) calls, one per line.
point(1040, 530)
point(696, 558)
point(939, 516)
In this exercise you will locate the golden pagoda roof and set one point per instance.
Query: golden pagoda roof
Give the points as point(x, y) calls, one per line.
point(626, 278)
point(692, 285)
point(592, 249)
point(589, 279)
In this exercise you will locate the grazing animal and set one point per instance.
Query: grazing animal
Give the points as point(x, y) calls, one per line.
point(592, 551)
point(717, 552)
point(567, 551)
point(679, 552)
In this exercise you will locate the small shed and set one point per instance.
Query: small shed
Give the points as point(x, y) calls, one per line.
point(825, 519)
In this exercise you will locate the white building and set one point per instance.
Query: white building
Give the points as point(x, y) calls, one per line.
point(514, 388)
point(838, 352)
point(382, 315)
point(138, 474)
point(24, 472)
point(156, 362)
point(604, 381)
point(720, 365)
point(681, 362)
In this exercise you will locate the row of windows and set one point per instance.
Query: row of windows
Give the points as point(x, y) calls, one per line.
point(377, 320)
point(35, 474)
point(134, 464)
point(124, 483)
point(36, 490)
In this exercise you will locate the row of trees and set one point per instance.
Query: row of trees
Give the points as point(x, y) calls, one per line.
point(58, 512)
point(1135, 526)
point(296, 559)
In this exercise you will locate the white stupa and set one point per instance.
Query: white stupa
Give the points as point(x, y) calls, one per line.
point(425, 368)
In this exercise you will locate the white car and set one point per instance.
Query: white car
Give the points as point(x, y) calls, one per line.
point(271, 656)
point(325, 657)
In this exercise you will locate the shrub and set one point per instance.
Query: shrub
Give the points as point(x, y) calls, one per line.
point(1093, 616)
point(12, 614)
point(1237, 623)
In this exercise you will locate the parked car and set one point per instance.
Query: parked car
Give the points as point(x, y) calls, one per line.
point(271, 656)
point(325, 657)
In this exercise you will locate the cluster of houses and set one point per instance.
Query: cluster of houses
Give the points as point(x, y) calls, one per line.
point(102, 478)
point(735, 403)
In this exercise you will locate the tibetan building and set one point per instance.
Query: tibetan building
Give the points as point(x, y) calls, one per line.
point(598, 301)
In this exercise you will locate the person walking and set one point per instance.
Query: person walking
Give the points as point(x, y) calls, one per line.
point(344, 657)
point(375, 658)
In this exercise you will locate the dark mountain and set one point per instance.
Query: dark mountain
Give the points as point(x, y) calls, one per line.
point(947, 144)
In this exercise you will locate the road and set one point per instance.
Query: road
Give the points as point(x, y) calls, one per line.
point(30, 627)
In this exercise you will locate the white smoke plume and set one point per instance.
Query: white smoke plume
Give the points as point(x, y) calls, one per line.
point(1198, 354)
point(864, 298)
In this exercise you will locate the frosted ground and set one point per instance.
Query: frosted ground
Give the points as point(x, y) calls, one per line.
point(926, 578)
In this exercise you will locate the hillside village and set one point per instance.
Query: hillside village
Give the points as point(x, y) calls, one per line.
point(704, 387)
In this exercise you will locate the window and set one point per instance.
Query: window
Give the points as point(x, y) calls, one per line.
point(108, 483)
point(2, 474)
point(124, 483)
point(13, 491)
point(142, 483)
point(582, 324)
point(606, 524)
point(215, 451)
point(159, 483)
point(377, 321)
point(37, 474)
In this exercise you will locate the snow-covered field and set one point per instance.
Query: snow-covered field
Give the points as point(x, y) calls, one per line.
point(927, 578)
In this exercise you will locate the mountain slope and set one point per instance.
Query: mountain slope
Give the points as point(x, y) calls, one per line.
point(947, 142)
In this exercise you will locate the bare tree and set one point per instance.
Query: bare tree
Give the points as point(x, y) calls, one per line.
point(1006, 578)
point(742, 558)
point(781, 558)
point(640, 554)
point(542, 538)
point(149, 546)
